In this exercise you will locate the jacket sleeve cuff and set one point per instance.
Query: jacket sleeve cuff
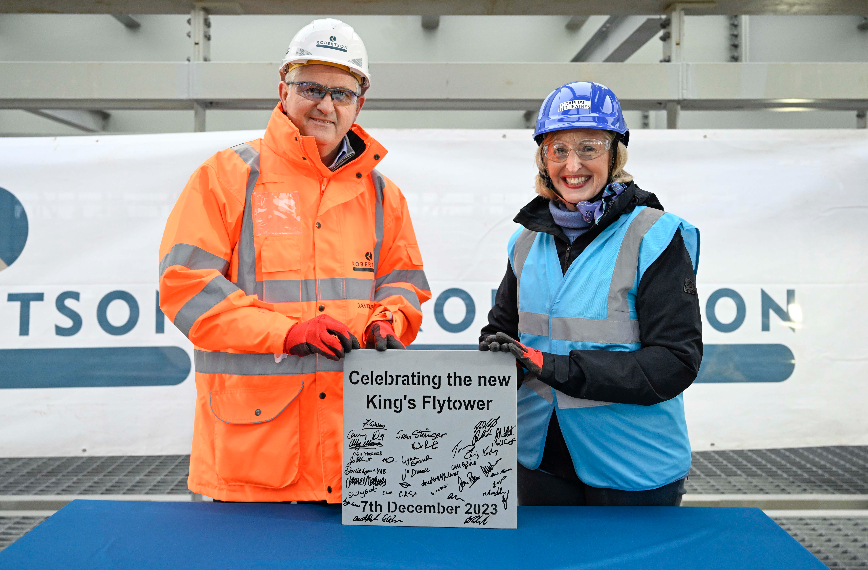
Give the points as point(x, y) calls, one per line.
point(558, 374)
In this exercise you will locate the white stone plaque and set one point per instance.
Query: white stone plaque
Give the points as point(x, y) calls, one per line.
point(429, 438)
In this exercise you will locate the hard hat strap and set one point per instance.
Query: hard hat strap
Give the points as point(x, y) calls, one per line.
point(614, 160)
point(547, 180)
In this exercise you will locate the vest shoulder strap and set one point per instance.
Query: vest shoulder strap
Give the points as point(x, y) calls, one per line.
point(624, 274)
point(247, 281)
point(520, 251)
point(379, 227)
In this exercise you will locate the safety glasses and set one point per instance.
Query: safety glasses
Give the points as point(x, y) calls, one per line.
point(586, 150)
point(316, 92)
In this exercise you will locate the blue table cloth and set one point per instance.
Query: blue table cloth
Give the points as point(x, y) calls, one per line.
point(134, 535)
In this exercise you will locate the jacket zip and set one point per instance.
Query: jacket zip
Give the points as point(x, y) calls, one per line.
point(347, 157)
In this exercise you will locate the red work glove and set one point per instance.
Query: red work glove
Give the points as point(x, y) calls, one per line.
point(530, 358)
point(381, 335)
point(321, 335)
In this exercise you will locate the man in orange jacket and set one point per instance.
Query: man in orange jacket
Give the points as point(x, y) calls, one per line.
point(280, 256)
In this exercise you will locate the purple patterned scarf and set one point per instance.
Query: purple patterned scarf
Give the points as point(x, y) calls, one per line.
point(576, 223)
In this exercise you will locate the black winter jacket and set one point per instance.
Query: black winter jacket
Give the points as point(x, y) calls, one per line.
point(670, 326)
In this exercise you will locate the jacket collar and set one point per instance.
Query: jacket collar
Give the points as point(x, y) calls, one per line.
point(535, 215)
point(283, 138)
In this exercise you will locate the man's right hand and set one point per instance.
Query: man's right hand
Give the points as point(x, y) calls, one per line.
point(320, 335)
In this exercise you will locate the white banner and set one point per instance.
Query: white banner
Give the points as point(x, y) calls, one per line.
point(88, 365)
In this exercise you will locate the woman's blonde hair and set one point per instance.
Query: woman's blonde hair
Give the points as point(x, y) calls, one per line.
point(618, 173)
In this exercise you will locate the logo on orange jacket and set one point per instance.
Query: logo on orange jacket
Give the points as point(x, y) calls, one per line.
point(367, 265)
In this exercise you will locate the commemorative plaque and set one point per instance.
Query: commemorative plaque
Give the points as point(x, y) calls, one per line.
point(429, 439)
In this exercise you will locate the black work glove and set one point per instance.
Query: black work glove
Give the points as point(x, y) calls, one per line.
point(381, 336)
point(492, 343)
point(528, 361)
point(320, 335)
point(529, 358)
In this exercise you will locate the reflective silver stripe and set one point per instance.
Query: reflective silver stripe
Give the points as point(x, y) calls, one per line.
point(379, 185)
point(415, 277)
point(567, 402)
point(252, 364)
point(543, 390)
point(520, 252)
point(323, 364)
point(262, 364)
point(533, 323)
point(246, 248)
point(301, 290)
point(594, 330)
point(627, 263)
point(192, 257)
point(340, 288)
point(211, 295)
point(384, 292)
point(288, 290)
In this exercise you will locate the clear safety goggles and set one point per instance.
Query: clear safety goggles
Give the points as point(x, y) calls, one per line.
point(586, 150)
point(316, 92)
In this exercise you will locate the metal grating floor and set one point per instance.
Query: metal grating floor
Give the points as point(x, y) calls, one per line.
point(837, 542)
point(795, 471)
point(13, 528)
point(129, 475)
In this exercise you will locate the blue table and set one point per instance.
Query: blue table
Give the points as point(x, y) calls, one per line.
point(133, 535)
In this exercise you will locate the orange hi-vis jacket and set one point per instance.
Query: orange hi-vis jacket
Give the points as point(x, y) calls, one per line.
point(265, 236)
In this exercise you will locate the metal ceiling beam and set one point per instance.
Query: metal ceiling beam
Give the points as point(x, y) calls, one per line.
point(599, 37)
point(638, 30)
point(438, 86)
point(575, 23)
point(618, 38)
point(83, 120)
point(443, 7)
point(430, 22)
point(128, 21)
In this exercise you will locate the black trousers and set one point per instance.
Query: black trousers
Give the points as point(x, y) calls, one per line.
point(538, 488)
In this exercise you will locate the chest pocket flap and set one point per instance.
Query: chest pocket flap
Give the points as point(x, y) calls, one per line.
point(414, 254)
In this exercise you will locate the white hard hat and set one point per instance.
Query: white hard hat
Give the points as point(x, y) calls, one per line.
point(331, 41)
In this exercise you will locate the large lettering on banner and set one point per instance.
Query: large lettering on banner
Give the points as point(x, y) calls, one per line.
point(430, 439)
point(90, 365)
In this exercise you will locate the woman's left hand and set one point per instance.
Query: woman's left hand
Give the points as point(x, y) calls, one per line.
point(530, 358)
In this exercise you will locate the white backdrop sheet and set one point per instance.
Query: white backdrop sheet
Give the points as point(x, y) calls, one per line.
point(781, 213)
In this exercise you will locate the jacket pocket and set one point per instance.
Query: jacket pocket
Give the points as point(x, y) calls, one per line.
point(256, 438)
point(280, 254)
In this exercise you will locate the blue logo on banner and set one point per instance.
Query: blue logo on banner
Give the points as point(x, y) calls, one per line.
point(13, 228)
point(102, 367)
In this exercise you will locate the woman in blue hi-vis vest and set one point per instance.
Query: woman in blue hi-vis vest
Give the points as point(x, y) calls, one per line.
point(600, 293)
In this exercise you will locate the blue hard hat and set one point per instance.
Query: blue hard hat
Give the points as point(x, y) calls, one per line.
point(581, 105)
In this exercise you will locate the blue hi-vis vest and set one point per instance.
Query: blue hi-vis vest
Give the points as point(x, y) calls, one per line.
point(593, 307)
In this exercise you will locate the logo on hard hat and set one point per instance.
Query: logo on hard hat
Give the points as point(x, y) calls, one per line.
point(13, 220)
point(332, 43)
point(577, 104)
